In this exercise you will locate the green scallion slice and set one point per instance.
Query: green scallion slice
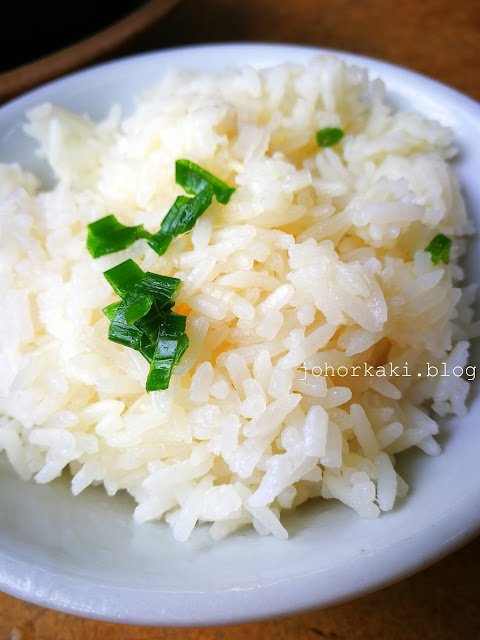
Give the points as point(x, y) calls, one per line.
point(108, 235)
point(147, 347)
point(439, 249)
point(149, 323)
point(160, 241)
point(124, 276)
point(161, 288)
point(111, 310)
point(181, 218)
point(194, 179)
point(152, 288)
point(139, 290)
point(171, 345)
point(122, 332)
point(186, 211)
point(183, 343)
point(159, 334)
point(137, 305)
point(171, 224)
point(172, 324)
point(329, 136)
point(162, 363)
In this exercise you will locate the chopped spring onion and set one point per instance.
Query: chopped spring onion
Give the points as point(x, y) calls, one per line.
point(439, 249)
point(183, 343)
point(148, 300)
point(172, 324)
point(329, 136)
point(147, 347)
point(122, 331)
point(162, 363)
point(154, 320)
point(122, 277)
point(161, 288)
point(194, 179)
point(143, 319)
point(150, 322)
point(170, 224)
point(111, 310)
point(169, 349)
point(186, 211)
point(137, 305)
point(159, 242)
point(181, 218)
point(108, 235)
point(128, 277)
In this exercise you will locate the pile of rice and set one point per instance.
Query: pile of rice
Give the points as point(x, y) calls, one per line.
point(318, 259)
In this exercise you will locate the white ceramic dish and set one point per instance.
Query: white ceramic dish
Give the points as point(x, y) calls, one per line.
point(85, 555)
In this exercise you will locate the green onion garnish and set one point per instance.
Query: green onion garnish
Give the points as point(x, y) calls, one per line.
point(122, 331)
point(137, 305)
point(108, 235)
point(127, 277)
point(147, 347)
point(181, 218)
point(194, 179)
point(172, 324)
point(150, 321)
point(111, 310)
point(159, 242)
point(169, 344)
point(144, 321)
point(162, 363)
point(186, 211)
point(439, 249)
point(183, 343)
point(329, 136)
point(124, 276)
point(161, 288)
point(170, 224)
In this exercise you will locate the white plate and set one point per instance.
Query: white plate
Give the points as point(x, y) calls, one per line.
point(85, 555)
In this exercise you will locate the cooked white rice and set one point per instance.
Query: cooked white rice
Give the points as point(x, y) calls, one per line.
point(318, 259)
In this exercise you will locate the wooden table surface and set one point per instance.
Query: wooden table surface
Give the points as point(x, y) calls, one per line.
point(440, 38)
